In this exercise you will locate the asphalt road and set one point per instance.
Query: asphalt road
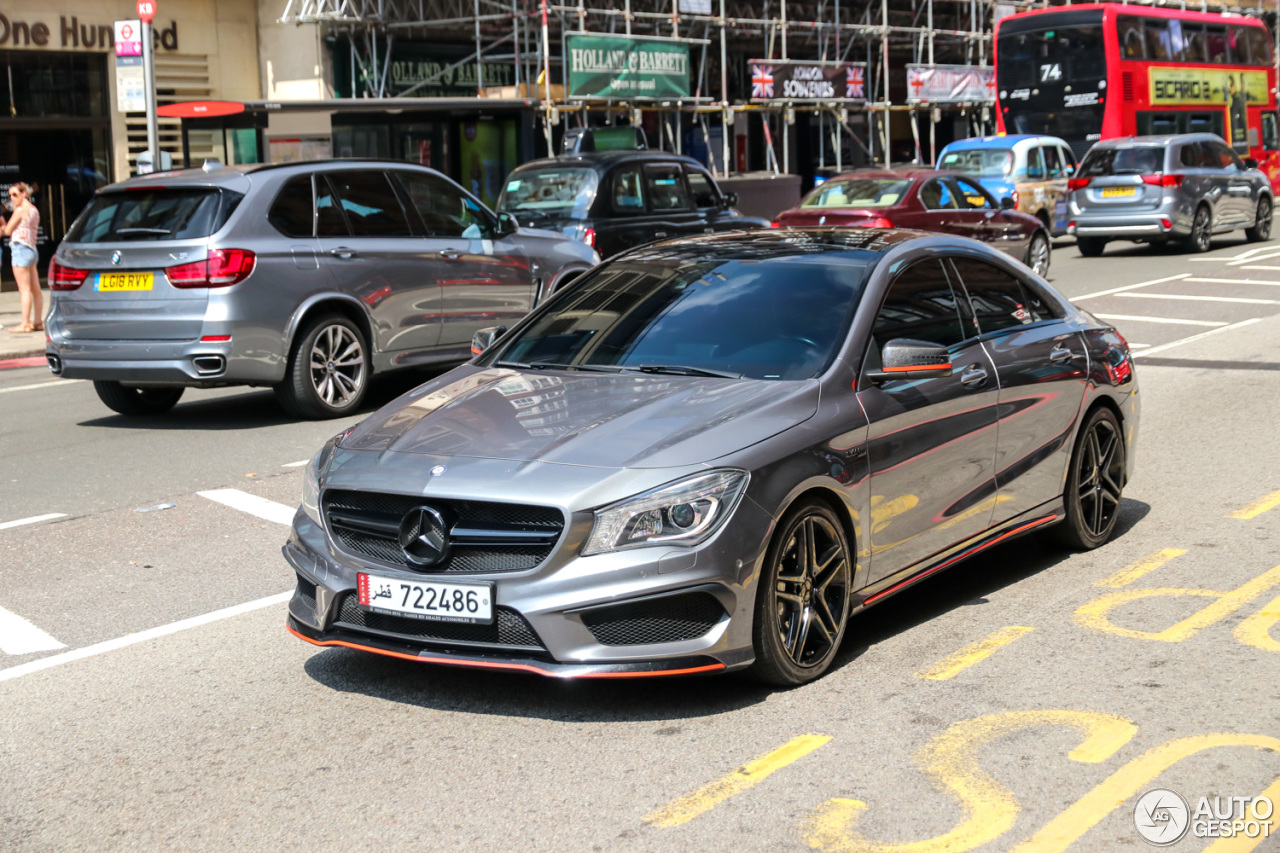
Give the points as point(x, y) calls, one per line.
point(150, 698)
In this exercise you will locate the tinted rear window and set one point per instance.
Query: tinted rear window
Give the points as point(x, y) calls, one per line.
point(564, 193)
point(154, 214)
point(1140, 160)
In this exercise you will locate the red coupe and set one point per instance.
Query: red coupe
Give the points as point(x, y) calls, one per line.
point(924, 200)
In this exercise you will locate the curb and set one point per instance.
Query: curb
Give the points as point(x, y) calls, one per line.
point(26, 352)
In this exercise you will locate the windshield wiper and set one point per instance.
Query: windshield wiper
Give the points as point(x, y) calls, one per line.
point(143, 231)
point(684, 370)
point(558, 365)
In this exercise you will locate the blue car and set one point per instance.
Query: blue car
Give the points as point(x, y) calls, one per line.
point(1032, 170)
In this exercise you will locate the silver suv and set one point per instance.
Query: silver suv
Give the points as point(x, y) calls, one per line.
point(305, 277)
point(1156, 189)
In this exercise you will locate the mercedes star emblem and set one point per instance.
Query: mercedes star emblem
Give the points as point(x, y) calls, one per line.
point(424, 537)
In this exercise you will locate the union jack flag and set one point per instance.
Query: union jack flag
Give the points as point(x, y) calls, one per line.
point(762, 81)
point(854, 85)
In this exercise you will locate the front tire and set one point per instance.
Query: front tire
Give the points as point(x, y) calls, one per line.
point(1201, 231)
point(1261, 230)
point(1091, 247)
point(1038, 255)
point(136, 402)
point(328, 371)
point(802, 602)
point(1094, 483)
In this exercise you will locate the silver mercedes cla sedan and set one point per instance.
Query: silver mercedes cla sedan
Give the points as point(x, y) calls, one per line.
point(305, 277)
point(709, 454)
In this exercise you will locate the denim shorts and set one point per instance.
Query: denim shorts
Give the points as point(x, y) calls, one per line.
point(23, 255)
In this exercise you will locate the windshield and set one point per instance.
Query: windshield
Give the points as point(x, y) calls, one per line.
point(981, 162)
point(562, 193)
point(858, 192)
point(783, 318)
point(153, 214)
point(1102, 162)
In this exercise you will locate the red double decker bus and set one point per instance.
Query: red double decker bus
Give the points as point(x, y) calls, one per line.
point(1098, 71)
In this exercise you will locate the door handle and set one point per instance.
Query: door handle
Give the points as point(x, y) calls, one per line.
point(974, 376)
point(343, 252)
point(1060, 354)
point(450, 254)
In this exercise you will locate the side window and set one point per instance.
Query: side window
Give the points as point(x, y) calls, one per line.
point(704, 192)
point(371, 204)
point(1221, 157)
point(999, 299)
point(628, 195)
point(971, 196)
point(292, 213)
point(1189, 156)
point(935, 195)
point(1270, 132)
point(1157, 33)
point(1052, 162)
point(920, 305)
point(1129, 31)
point(1216, 40)
point(1035, 164)
point(443, 210)
point(666, 188)
point(1068, 160)
point(330, 221)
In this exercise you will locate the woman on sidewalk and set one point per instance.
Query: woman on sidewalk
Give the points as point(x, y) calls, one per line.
point(21, 230)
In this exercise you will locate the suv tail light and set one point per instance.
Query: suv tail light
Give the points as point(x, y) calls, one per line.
point(1158, 180)
point(1074, 184)
point(589, 237)
point(223, 268)
point(65, 278)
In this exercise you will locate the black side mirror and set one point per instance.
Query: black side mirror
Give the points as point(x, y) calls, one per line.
point(507, 224)
point(730, 199)
point(484, 338)
point(904, 358)
point(1250, 163)
point(1007, 203)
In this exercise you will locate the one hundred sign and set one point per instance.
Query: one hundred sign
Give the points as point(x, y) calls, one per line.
point(623, 68)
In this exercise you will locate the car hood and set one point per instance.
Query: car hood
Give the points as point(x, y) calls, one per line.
point(626, 420)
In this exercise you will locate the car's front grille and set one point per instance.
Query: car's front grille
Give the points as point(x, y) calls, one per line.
point(509, 628)
point(484, 536)
point(668, 619)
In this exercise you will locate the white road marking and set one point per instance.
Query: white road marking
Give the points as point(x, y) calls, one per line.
point(1131, 286)
point(1245, 255)
point(67, 382)
point(1260, 267)
point(295, 464)
point(1237, 281)
point(20, 637)
point(140, 637)
point(1171, 320)
point(252, 504)
point(1179, 343)
point(1252, 258)
point(1240, 299)
point(32, 520)
point(1138, 346)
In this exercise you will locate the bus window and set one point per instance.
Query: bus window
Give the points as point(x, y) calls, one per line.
point(1255, 38)
point(1193, 45)
point(1270, 132)
point(1216, 38)
point(1152, 124)
point(1157, 33)
point(1129, 30)
point(1203, 123)
point(1175, 40)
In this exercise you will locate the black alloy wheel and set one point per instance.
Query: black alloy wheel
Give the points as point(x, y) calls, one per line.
point(802, 606)
point(1091, 247)
point(1201, 231)
point(328, 371)
point(136, 402)
point(1261, 230)
point(1038, 255)
point(1094, 483)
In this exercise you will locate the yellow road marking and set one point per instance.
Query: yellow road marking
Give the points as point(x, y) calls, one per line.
point(1058, 834)
point(1132, 572)
point(686, 808)
point(956, 663)
point(950, 760)
point(1256, 630)
point(1258, 507)
point(1095, 614)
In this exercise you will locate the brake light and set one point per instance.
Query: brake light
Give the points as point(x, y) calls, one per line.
point(775, 224)
point(223, 268)
point(1159, 180)
point(1016, 198)
point(65, 278)
point(1165, 223)
point(1074, 184)
point(589, 237)
point(878, 222)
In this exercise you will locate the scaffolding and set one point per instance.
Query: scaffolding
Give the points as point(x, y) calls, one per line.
point(531, 36)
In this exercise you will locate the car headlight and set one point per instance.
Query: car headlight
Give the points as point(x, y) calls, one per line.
point(311, 478)
point(685, 512)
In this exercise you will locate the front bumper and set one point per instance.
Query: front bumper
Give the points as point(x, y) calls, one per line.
point(642, 612)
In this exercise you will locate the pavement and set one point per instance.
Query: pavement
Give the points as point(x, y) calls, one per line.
point(13, 346)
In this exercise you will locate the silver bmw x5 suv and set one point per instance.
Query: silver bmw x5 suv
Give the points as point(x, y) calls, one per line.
point(305, 277)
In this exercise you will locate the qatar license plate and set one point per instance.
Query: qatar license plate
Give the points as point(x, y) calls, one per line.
point(113, 281)
point(1118, 192)
point(432, 601)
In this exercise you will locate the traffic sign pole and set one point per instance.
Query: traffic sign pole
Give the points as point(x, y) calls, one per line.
point(147, 13)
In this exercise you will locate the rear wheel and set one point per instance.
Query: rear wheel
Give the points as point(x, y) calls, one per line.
point(1201, 231)
point(328, 371)
point(1261, 230)
point(134, 402)
point(1091, 247)
point(802, 603)
point(1038, 255)
point(1094, 483)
